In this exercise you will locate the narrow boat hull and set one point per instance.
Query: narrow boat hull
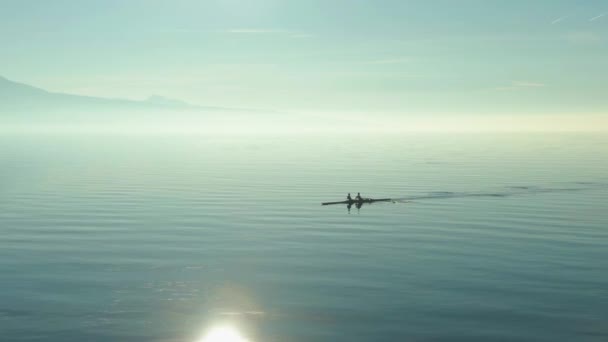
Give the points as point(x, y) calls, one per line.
point(365, 200)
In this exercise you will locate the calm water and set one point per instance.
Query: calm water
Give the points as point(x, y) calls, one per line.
point(165, 238)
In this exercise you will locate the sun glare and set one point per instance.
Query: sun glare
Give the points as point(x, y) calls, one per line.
point(224, 333)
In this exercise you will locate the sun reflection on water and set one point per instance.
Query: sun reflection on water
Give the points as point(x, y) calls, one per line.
point(223, 333)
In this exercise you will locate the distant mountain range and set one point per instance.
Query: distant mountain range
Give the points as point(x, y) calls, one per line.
point(18, 99)
point(23, 105)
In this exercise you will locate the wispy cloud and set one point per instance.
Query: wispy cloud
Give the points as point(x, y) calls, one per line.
point(238, 31)
point(597, 17)
point(527, 84)
point(583, 37)
point(560, 19)
point(520, 85)
point(263, 31)
point(390, 61)
point(301, 35)
point(254, 31)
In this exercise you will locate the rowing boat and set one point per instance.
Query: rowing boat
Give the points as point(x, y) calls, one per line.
point(364, 200)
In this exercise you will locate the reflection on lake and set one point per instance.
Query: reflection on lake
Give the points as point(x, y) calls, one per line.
point(223, 333)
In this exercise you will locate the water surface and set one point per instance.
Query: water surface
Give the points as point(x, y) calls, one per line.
point(161, 238)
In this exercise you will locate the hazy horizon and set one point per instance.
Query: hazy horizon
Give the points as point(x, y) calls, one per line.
point(29, 109)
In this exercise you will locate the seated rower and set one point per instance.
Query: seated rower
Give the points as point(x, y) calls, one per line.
point(358, 198)
point(348, 197)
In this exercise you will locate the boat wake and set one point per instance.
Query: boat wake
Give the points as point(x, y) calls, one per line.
point(507, 191)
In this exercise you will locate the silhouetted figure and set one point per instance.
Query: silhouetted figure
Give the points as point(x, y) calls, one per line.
point(359, 198)
point(348, 197)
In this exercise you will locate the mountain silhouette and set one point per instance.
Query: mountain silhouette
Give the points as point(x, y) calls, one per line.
point(19, 96)
point(23, 104)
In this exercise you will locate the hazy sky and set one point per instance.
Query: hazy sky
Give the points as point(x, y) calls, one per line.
point(540, 57)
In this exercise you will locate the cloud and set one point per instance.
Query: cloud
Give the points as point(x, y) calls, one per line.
point(254, 31)
point(257, 31)
point(177, 30)
point(597, 17)
point(301, 35)
point(527, 84)
point(236, 31)
point(558, 20)
point(390, 61)
point(520, 85)
point(583, 37)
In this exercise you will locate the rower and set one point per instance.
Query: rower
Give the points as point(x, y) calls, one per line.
point(348, 197)
point(358, 198)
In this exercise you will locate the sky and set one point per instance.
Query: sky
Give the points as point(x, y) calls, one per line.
point(429, 58)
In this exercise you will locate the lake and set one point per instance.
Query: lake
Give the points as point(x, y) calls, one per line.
point(489, 237)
